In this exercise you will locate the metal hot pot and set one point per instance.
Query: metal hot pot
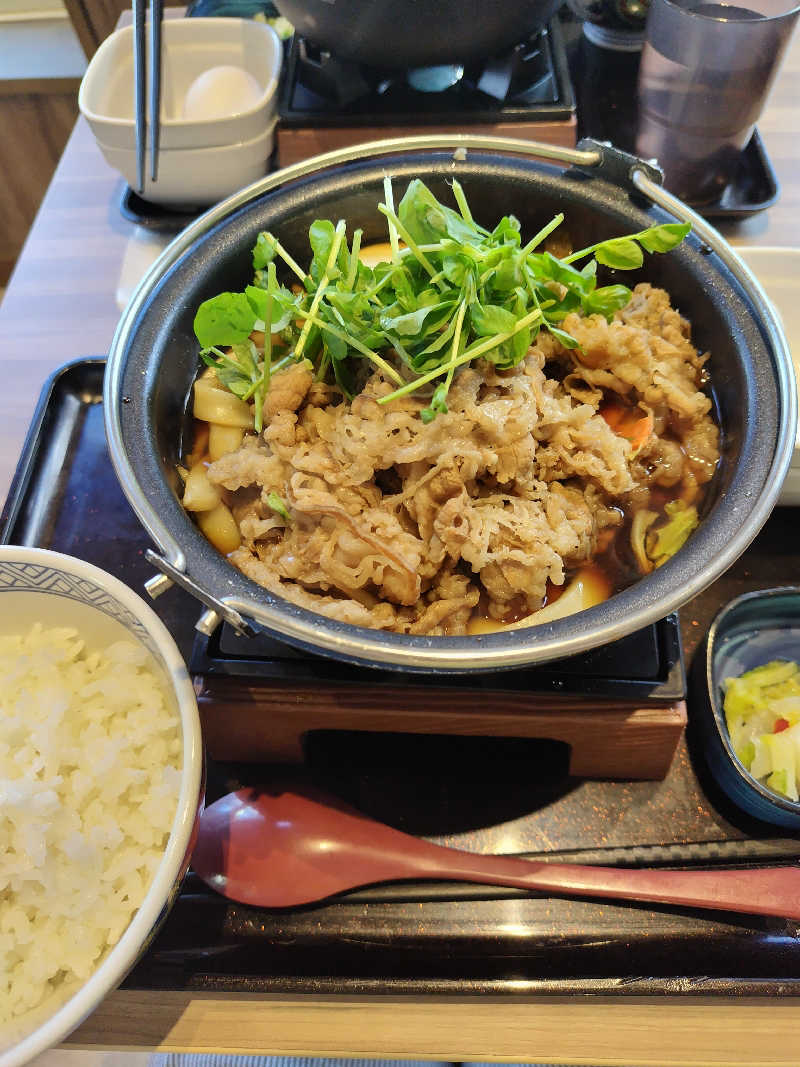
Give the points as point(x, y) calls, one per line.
point(398, 34)
point(604, 193)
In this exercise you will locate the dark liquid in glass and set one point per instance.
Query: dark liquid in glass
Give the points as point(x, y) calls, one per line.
point(700, 94)
point(725, 11)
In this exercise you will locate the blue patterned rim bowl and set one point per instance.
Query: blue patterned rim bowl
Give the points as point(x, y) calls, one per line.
point(748, 632)
point(57, 590)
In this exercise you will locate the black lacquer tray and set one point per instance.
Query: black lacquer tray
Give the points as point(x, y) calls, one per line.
point(496, 795)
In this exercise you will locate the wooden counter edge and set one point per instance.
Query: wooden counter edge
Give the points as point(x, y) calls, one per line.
point(692, 1031)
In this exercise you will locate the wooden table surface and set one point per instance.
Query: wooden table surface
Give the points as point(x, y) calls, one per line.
point(61, 304)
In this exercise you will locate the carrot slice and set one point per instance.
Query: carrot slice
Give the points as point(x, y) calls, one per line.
point(631, 423)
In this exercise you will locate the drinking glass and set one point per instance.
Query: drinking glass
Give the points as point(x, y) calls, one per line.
point(705, 74)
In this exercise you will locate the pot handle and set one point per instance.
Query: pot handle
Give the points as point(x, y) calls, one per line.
point(216, 610)
point(617, 166)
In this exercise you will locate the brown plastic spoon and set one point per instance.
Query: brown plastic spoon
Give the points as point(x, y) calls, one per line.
point(279, 849)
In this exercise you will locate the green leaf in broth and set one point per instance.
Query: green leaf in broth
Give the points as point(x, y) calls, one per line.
point(278, 506)
point(321, 236)
point(665, 237)
point(440, 341)
point(344, 377)
point(428, 220)
point(489, 319)
point(354, 307)
point(225, 319)
point(547, 267)
point(507, 275)
point(405, 290)
point(502, 355)
point(429, 297)
point(437, 406)
point(421, 213)
point(507, 231)
point(566, 339)
point(283, 305)
point(418, 323)
point(240, 376)
point(264, 250)
point(556, 310)
point(606, 300)
point(521, 341)
point(622, 254)
point(456, 267)
point(337, 346)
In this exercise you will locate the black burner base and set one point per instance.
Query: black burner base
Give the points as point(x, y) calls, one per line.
point(530, 82)
point(645, 666)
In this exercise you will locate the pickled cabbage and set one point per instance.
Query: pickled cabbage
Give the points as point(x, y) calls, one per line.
point(762, 712)
point(654, 545)
point(667, 539)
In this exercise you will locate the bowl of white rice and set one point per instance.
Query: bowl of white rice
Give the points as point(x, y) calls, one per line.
point(100, 785)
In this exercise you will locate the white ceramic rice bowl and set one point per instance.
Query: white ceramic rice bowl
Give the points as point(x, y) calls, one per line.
point(59, 590)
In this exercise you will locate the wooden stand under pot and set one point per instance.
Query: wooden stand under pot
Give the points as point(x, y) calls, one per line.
point(252, 720)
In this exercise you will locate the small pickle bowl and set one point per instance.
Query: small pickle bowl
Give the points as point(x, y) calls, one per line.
point(80, 848)
point(751, 631)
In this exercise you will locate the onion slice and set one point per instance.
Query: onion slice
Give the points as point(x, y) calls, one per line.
point(589, 587)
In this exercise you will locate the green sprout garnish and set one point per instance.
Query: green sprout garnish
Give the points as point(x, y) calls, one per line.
point(455, 293)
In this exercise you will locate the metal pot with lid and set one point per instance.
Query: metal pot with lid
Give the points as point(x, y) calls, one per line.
point(402, 34)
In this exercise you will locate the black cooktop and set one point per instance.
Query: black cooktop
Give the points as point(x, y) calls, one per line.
point(528, 82)
point(643, 666)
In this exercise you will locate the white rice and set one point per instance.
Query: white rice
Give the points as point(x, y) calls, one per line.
point(89, 780)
